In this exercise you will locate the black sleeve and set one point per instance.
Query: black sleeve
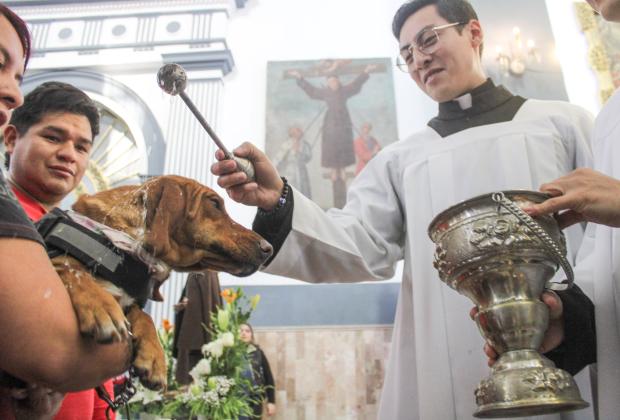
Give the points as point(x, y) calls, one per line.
point(276, 225)
point(270, 385)
point(13, 221)
point(579, 346)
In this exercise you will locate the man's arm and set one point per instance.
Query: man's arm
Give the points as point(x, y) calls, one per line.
point(578, 348)
point(42, 342)
point(586, 195)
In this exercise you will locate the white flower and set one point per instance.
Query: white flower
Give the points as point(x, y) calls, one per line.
point(228, 339)
point(211, 397)
point(203, 368)
point(214, 348)
point(220, 384)
point(149, 396)
point(144, 395)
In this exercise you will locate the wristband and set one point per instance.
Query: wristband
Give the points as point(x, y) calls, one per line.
point(281, 200)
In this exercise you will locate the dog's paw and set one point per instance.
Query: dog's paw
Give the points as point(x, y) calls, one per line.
point(99, 314)
point(150, 366)
point(103, 319)
point(150, 361)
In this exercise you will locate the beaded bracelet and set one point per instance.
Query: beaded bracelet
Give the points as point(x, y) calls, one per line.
point(281, 200)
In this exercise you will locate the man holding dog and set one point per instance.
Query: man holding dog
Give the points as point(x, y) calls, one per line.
point(48, 143)
point(483, 139)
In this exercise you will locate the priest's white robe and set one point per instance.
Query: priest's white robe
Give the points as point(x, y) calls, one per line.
point(436, 358)
point(598, 268)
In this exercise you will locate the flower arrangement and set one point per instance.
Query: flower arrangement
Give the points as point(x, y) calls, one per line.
point(219, 390)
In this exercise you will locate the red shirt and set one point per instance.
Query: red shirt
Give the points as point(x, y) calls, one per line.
point(81, 405)
point(33, 208)
point(85, 405)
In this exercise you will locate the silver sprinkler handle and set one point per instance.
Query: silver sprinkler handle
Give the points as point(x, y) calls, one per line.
point(172, 79)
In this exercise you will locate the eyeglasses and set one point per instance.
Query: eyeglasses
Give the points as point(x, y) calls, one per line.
point(426, 42)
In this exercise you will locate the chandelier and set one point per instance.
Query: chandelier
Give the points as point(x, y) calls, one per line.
point(518, 56)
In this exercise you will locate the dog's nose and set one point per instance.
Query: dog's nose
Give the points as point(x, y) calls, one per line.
point(265, 248)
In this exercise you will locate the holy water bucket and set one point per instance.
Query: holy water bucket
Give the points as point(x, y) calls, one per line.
point(489, 250)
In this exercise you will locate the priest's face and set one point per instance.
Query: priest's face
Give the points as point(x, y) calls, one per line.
point(609, 9)
point(453, 66)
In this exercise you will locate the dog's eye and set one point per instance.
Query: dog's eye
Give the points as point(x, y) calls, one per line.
point(216, 204)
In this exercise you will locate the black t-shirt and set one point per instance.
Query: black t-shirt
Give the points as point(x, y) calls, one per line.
point(13, 221)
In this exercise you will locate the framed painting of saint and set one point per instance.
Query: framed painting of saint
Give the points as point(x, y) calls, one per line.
point(326, 119)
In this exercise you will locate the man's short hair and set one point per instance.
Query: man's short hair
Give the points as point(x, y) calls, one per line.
point(451, 10)
point(54, 97)
point(51, 98)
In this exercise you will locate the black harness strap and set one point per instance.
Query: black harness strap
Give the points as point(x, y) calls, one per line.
point(63, 236)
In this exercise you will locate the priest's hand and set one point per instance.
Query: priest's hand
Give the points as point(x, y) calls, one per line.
point(555, 331)
point(264, 192)
point(585, 194)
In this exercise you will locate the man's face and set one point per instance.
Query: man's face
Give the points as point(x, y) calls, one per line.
point(609, 9)
point(454, 68)
point(49, 160)
point(11, 70)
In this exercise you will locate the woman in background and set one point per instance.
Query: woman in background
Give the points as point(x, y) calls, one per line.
point(260, 374)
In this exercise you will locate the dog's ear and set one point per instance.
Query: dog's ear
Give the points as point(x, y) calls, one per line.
point(164, 201)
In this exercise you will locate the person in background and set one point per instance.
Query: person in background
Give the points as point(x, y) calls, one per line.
point(192, 321)
point(259, 372)
point(42, 343)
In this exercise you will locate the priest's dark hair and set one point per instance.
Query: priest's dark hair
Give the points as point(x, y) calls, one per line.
point(20, 27)
point(451, 10)
point(53, 97)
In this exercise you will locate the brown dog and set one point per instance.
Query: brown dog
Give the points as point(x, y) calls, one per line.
point(180, 222)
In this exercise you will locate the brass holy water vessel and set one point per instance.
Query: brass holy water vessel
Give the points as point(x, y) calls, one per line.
point(489, 250)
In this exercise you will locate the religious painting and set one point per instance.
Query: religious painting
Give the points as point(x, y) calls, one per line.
point(603, 48)
point(326, 119)
point(519, 48)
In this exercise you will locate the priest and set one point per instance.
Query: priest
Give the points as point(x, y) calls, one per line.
point(483, 139)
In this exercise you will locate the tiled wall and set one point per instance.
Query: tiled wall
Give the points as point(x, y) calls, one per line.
point(333, 373)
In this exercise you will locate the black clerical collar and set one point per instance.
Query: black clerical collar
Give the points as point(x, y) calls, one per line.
point(485, 104)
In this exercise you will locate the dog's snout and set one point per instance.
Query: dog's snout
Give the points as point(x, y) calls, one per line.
point(265, 248)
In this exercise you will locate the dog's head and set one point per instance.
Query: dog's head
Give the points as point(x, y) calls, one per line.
point(181, 222)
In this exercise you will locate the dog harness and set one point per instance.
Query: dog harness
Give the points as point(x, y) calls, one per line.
point(108, 253)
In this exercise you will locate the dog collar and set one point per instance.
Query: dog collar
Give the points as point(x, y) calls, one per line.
point(105, 252)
